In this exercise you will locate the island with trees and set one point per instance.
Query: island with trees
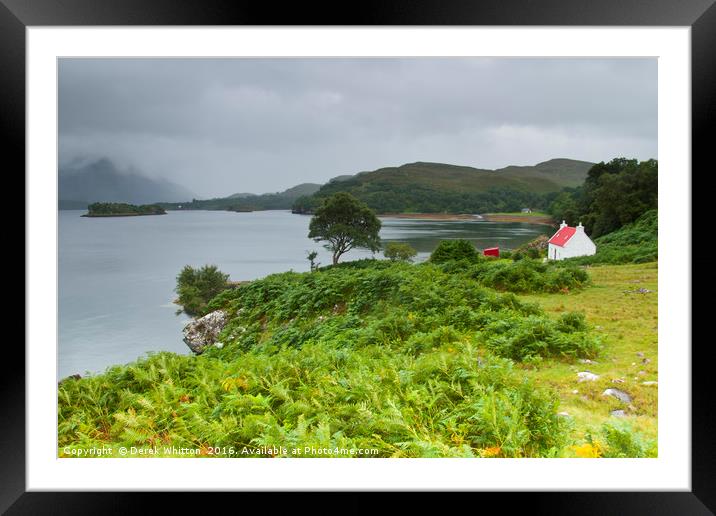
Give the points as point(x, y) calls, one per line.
point(119, 209)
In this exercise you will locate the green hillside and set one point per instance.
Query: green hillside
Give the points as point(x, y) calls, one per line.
point(248, 202)
point(440, 187)
point(636, 242)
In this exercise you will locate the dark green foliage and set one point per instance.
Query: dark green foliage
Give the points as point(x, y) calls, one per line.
point(455, 250)
point(247, 202)
point(613, 195)
point(528, 275)
point(345, 223)
point(399, 251)
point(388, 198)
point(355, 305)
point(537, 337)
point(196, 287)
point(106, 209)
point(442, 188)
point(311, 257)
point(634, 243)
point(534, 249)
point(565, 206)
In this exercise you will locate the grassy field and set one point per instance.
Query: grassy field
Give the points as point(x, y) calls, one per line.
point(628, 323)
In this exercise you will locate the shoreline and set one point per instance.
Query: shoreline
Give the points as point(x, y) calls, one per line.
point(487, 217)
point(431, 216)
point(120, 215)
point(526, 219)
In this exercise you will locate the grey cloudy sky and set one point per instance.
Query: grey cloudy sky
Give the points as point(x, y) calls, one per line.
point(219, 126)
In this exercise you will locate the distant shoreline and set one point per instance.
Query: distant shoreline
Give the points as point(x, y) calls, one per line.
point(104, 215)
point(488, 217)
point(431, 216)
point(526, 218)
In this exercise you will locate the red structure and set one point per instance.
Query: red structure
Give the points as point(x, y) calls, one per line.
point(491, 251)
point(562, 236)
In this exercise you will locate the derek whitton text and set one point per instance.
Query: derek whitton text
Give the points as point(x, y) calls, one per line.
point(217, 451)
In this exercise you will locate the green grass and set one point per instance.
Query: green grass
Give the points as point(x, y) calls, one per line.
point(628, 325)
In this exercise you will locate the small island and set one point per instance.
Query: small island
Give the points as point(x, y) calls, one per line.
point(117, 209)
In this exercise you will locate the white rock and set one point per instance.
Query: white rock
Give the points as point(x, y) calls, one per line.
point(650, 383)
point(587, 376)
point(616, 393)
point(203, 332)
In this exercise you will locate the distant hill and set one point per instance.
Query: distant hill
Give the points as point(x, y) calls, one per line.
point(241, 195)
point(302, 189)
point(101, 181)
point(341, 178)
point(440, 187)
point(249, 202)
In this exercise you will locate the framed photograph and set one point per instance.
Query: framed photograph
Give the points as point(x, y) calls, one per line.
point(426, 239)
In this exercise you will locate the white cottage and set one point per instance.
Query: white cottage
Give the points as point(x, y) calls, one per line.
point(569, 242)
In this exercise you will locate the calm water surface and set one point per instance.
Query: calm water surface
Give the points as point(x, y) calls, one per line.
point(117, 275)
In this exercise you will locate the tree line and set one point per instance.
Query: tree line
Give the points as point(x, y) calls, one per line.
point(391, 198)
point(613, 195)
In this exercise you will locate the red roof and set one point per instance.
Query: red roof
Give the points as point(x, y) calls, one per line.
point(562, 236)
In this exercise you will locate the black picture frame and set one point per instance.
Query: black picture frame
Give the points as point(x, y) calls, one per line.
point(700, 15)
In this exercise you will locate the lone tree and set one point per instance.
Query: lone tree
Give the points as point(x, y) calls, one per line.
point(345, 223)
point(196, 287)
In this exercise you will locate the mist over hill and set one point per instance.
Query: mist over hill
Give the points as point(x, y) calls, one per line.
point(102, 181)
point(413, 187)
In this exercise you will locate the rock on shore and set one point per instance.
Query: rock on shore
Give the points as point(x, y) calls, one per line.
point(204, 332)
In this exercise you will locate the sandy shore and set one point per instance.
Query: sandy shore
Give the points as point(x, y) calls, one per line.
point(489, 217)
point(526, 219)
point(431, 216)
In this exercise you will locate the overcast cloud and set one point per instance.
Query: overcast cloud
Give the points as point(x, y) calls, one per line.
point(219, 126)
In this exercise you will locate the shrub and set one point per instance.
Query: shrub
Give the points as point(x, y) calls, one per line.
point(526, 338)
point(455, 250)
point(529, 275)
point(533, 249)
point(621, 442)
point(616, 439)
point(196, 287)
point(399, 251)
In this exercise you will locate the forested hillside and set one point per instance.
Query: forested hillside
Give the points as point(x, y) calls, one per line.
point(438, 187)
